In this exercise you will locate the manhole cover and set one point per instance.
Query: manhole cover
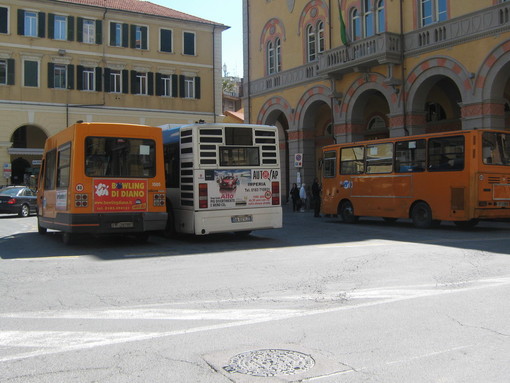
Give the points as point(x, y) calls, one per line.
point(270, 363)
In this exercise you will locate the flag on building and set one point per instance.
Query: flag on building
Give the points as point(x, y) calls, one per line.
point(343, 31)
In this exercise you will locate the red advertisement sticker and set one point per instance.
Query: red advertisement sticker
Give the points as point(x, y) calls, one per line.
point(120, 195)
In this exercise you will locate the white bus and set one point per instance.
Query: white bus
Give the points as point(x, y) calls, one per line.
point(222, 178)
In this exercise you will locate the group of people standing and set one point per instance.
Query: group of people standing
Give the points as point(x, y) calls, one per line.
point(299, 197)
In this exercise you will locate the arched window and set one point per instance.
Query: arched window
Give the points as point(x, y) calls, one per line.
point(368, 19)
point(355, 25)
point(320, 36)
point(380, 17)
point(311, 44)
point(433, 11)
point(278, 55)
point(270, 58)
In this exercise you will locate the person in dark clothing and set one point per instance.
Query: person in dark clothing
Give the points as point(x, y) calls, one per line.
point(316, 197)
point(294, 194)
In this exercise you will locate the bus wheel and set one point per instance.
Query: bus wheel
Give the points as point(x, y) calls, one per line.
point(347, 212)
point(467, 224)
point(421, 214)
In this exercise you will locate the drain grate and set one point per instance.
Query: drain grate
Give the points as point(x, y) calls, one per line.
point(270, 363)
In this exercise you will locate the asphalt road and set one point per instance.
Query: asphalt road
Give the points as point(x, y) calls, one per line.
point(317, 301)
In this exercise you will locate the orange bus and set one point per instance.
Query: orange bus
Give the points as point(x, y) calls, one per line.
point(460, 176)
point(103, 178)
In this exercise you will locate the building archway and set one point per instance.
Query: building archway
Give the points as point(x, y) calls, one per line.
point(371, 109)
point(26, 154)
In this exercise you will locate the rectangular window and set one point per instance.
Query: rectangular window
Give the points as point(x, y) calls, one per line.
point(239, 156)
point(166, 85)
point(446, 153)
point(141, 79)
point(30, 24)
point(4, 20)
point(60, 76)
point(115, 81)
point(410, 156)
point(64, 166)
point(89, 79)
point(89, 31)
point(30, 73)
point(189, 43)
point(60, 28)
point(116, 34)
point(329, 165)
point(352, 160)
point(49, 170)
point(3, 72)
point(165, 38)
point(138, 37)
point(496, 148)
point(379, 158)
point(189, 87)
point(120, 157)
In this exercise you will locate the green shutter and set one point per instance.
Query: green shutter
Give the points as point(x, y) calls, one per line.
point(80, 30)
point(41, 24)
point(144, 37)
point(175, 85)
point(125, 81)
point(10, 71)
point(51, 26)
point(21, 22)
point(182, 84)
point(79, 77)
point(70, 76)
point(99, 75)
point(150, 87)
point(106, 79)
point(99, 32)
point(70, 28)
point(51, 75)
point(125, 35)
point(197, 87)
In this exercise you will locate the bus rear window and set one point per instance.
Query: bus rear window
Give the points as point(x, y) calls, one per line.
point(119, 157)
point(496, 148)
point(238, 136)
point(239, 156)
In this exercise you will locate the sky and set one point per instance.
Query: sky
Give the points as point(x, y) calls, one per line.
point(227, 12)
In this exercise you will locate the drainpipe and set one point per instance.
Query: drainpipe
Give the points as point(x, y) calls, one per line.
point(214, 73)
point(247, 58)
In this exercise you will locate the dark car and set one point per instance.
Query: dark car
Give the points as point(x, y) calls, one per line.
point(18, 200)
point(228, 182)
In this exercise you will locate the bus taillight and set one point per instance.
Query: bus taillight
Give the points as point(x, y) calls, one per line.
point(275, 191)
point(159, 199)
point(81, 200)
point(202, 196)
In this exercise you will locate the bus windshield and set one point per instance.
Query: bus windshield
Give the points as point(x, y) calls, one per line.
point(119, 157)
point(496, 148)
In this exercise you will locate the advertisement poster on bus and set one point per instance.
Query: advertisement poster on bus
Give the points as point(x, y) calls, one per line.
point(120, 195)
point(236, 188)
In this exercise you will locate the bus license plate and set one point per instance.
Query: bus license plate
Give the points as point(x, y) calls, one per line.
point(123, 225)
point(241, 218)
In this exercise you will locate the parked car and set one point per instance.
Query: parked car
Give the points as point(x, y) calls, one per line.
point(18, 200)
point(228, 182)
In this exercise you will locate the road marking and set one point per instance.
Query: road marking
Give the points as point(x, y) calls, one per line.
point(53, 342)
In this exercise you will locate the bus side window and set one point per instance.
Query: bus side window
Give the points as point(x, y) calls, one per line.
point(446, 154)
point(379, 158)
point(50, 170)
point(410, 156)
point(329, 165)
point(352, 160)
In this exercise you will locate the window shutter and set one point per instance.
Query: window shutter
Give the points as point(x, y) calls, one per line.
point(79, 30)
point(98, 76)
point(175, 85)
point(51, 75)
point(197, 87)
point(135, 88)
point(21, 22)
point(106, 80)
point(99, 32)
point(182, 84)
point(165, 40)
point(79, 77)
point(70, 28)
point(41, 24)
point(144, 37)
point(4, 16)
point(150, 87)
point(159, 84)
point(10, 71)
point(70, 76)
point(125, 81)
point(51, 26)
point(133, 36)
point(112, 34)
point(125, 35)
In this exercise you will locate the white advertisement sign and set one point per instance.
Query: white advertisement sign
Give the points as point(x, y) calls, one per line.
point(236, 188)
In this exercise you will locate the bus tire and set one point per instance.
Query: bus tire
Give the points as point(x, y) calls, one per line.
point(41, 230)
point(421, 214)
point(347, 212)
point(467, 224)
point(170, 231)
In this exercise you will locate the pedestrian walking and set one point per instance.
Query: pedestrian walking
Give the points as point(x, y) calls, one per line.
point(294, 195)
point(316, 198)
point(302, 197)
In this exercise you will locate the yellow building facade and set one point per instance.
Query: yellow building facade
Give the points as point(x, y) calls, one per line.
point(327, 71)
point(124, 61)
